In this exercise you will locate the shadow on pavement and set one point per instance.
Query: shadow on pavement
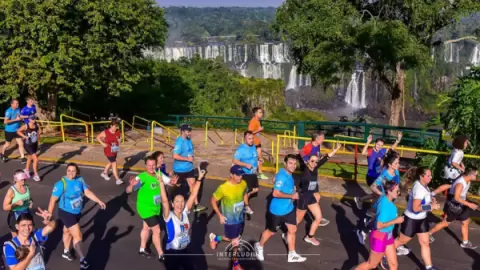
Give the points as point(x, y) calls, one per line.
point(348, 238)
point(101, 247)
point(131, 161)
point(63, 159)
point(199, 231)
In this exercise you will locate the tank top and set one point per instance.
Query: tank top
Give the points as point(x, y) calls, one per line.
point(466, 186)
point(178, 231)
point(17, 196)
point(111, 139)
point(32, 135)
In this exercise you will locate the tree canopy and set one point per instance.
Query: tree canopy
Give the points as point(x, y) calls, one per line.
point(386, 37)
point(61, 48)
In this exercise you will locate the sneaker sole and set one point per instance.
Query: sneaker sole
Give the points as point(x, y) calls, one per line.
point(67, 258)
point(310, 242)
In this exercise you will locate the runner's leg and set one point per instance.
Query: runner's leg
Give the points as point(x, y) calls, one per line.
point(5, 146)
point(21, 149)
point(317, 217)
point(424, 241)
point(107, 167)
point(67, 239)
point(300, 215)
point(144, 235)
point(34, 159)
point(27, 165)
point(115, 170)
point(157, 240)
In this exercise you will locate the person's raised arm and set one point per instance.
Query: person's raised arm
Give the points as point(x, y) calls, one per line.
point(365, 148)
point(134, 184)
point(397, 141)
point(196, 188)
point(165, 203)
point(441, 189)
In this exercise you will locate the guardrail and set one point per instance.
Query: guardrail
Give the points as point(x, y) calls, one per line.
point(62, 125)
point(142, 119)
point(168, 138)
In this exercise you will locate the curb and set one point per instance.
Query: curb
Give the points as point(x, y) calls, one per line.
point(218, 178)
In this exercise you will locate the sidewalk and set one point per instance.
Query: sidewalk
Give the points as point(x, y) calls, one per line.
point(131, 158)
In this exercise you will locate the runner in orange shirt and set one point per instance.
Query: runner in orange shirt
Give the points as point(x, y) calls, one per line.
point(256, 128)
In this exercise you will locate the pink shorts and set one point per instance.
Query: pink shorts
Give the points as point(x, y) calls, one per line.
point(379, 241)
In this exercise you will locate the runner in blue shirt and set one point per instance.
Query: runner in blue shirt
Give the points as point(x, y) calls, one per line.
point(282, 211)
point(28, 110)
point(246, 156)
point(70, 191)
point(183, 156)
point(12, 124)
point(29, 238)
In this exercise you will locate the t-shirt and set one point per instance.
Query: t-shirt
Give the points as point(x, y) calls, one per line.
point(247, 154)
point(386, 174)
point(37, 262)
point(231, 200)
point(418, 192)
point(178, 230)
point(162, 169)
point(11, 114)
point(308, 183)
point(27, 111)
point(285, 184)
point(374, 160)
point(386, 211)
point(309, 150)
point(71, 199)
point(253, 125)
point(184, 148)
point(456, 156)
point(149, 199)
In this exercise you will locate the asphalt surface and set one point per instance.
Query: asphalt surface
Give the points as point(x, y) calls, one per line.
point(111, 236)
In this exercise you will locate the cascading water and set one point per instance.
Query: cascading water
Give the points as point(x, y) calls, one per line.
point(475, 57)
point(352, 96)
point(451, 53)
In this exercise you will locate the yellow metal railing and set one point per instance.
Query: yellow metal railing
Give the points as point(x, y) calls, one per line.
point(168, 138)
point(141, 118)
point(207, 127)
point(81, 123)
point(93, 130)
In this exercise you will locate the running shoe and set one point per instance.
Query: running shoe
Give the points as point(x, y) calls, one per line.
point(361, 236)
point(23, 160)
point(161, 258)
point(384, 263)
point(248, 210)
point(84, 264)
point(144, 253)
point(432, 239)
point(105, 176)
point(213, 243)
point(324, 222)
point(295, 257)
point(431, 268)
point(259, 252)
point(199, 208)
point(403, 251)
point(312, 241)
point(284, 237)
point(358, 203)
point(27, 173)
point(68, 256)
point(36, 178)
point(468, 245)
point(119, 182)
point(263, 176)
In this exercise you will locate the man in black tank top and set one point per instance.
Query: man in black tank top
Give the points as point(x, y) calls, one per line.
point(30, 133)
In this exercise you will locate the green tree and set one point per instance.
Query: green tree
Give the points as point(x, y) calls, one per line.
point(329, 37)
point(61, 48)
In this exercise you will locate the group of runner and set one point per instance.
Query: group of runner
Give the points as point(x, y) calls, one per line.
point(165, 200)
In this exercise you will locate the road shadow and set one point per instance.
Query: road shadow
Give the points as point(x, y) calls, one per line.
point(53, 241)
point(131, 161)
point(5, 183)
point(65, 157)
point(199, 232)
point(346, 230)
point(99, 251)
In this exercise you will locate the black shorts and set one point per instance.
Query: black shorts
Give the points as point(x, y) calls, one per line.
point(174, 259)
point(464, 215)
point(370, 180)
point(152, 221)
point(410, 227)
point(68, 219)
point(31, 149)
point(9, 136)
point(233, 231)
point(305, 200)
point(112, 159)
point(252, 181)
point(274, 222)
point(183, 176)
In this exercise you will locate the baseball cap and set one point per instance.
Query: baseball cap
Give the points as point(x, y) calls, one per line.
point(185, 127)
point(237, 170)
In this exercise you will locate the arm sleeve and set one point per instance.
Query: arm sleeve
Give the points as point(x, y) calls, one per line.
point(457, 157)
point(163, 169)
point(301, 162)
point(178, 147)
point(218, 194)
point(58, 189)
point(279, 183)
point(84, 185)
point(137, 186)
point(418, 194)
point(8, 113)
point(238, 154)
point(23, 112)
point(322, 161)
point(9, 253)
point(39, 237)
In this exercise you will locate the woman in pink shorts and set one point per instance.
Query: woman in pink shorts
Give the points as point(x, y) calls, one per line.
point(381, 238)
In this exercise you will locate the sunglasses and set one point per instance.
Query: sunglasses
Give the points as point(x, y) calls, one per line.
point(314, 161)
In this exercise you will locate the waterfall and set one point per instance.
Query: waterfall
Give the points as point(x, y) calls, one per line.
point(451, 53)
point(415, 88)
point(475, 56)
point(292, 79)
point(353, 90)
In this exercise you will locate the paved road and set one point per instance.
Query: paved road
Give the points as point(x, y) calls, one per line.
point(112, 236)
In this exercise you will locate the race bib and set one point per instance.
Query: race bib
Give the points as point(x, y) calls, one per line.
point(238, 207)
point(184, 240)
point(76, 203)
point(114, 148)
point(312, 185)
point(157, 199)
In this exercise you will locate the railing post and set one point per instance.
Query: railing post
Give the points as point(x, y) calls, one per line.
point(151, 136)
point(123, 131)
point(206, 134)
point(356, 163)
point(277, 154)
point(301, 133)
point(235, 138)
point(61, 126)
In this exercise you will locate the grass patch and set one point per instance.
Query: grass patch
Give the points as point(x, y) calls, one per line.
point(47, 140)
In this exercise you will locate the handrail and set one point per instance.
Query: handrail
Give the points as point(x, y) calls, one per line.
point(75, 119)
point(82, 113)
point(152, 133)
point(141, 118)
point(97, 122)
point(133, 128)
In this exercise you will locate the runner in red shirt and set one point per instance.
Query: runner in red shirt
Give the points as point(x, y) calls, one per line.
point(110, 140)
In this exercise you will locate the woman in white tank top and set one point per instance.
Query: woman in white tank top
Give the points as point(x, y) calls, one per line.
point(455, 167)
point(178, 225)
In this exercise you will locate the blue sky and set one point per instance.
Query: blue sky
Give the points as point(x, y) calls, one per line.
point(221, 3)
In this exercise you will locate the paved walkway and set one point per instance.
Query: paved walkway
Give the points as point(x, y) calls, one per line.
point(112, 235)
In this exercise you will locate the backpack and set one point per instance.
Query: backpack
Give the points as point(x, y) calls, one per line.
point(13, 244)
